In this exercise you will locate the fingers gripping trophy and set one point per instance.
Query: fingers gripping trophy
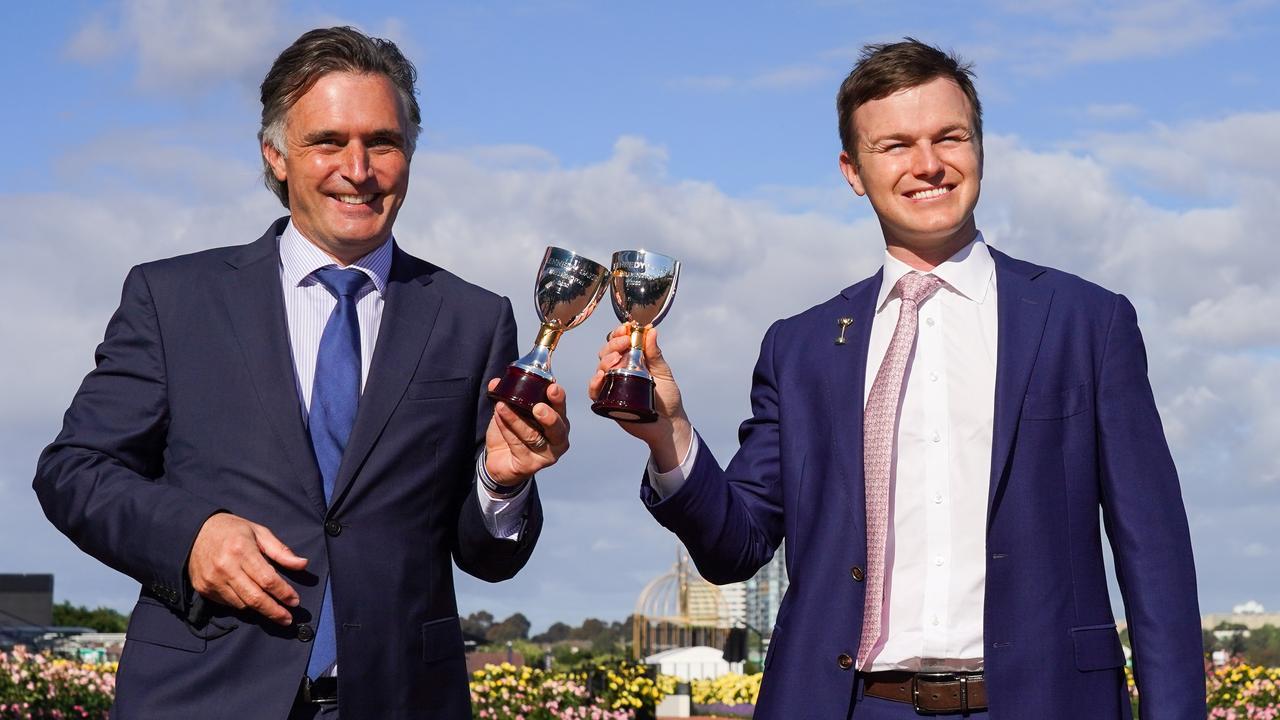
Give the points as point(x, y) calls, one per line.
point(567, 290)
point(642, 286)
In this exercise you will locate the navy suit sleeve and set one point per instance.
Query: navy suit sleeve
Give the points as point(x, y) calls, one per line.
point(101, 482)
point(1147, 525)
point(476, 551)
point(731, 521)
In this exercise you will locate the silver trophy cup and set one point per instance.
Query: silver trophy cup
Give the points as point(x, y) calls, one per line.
point(567, 290)
point(642, 286)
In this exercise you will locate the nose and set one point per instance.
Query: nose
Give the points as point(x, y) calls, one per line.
point(355, 163)
point(924, 162)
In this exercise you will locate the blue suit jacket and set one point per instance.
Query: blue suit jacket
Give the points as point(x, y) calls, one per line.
point(193, 409)
point(1076, 430)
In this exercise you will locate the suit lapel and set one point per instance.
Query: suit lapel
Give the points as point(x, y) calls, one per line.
point(847, 372)
point(255, 303)
point(407, 320)
point(1023, 307)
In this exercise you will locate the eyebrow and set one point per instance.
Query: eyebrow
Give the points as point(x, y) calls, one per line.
point(906, 137)
point(323, 135)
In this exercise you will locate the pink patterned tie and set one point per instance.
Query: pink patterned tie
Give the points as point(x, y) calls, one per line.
point(880, 423)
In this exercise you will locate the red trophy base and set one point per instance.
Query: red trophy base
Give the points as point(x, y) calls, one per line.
point(521, 390)
point(626, 398)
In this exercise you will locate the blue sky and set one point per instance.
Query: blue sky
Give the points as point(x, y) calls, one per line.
point(1135, 146)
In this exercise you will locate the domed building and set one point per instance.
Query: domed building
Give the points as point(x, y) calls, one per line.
point(679, 609)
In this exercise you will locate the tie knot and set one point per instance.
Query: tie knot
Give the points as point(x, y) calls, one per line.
point(342, 283)
point(914, 287)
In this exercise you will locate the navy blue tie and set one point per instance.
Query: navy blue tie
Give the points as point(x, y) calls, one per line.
point(334, 399)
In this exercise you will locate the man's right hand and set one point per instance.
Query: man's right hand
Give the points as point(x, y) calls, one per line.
point(670, 436)
point(230, 563)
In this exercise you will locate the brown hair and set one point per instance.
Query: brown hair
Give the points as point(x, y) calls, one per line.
point(886, 68)
point(315, 54)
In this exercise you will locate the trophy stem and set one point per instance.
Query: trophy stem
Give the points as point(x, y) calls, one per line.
point(634, 364)
point(526, 380)
point(549, 335)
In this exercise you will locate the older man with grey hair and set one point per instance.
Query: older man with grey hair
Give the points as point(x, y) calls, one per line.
point(287, 442)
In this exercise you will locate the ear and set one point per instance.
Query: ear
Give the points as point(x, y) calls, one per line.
point(849, 168)
point(275, 160)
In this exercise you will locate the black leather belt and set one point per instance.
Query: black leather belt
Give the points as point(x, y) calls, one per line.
point(321, 691)
point(931, 693)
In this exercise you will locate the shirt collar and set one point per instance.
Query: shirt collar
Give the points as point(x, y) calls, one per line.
point(967, 273)
point(299, 258)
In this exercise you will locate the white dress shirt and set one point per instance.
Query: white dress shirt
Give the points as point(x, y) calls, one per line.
point(936, 577)
point(308, 305)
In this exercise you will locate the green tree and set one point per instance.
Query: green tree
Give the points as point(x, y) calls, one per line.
point(589, 629)
point(102, 619)
point(1262, 647)
point(478, 623)
point(557, 632)
point(515, 627)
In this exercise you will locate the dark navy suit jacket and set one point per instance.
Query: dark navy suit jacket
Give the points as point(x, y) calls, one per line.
point(193, 409)
point(1076, 430)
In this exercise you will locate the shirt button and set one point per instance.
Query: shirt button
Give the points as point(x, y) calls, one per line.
point(856, 573)
point(844, 661)
point(933, 377)
point(934, 620)
point(937, 498)
point(928, 321)
point(938, 561)
point(332, 528)
point(306, 633)
point(937, 437)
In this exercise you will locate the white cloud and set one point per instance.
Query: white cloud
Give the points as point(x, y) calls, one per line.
point(786, 77)
point(1077, 32)
point(184, 47)
point(1247, 315)
point(94, 42)
point(791, 76)
point(1230, 156)
point(708, 83)
point(1112, 111)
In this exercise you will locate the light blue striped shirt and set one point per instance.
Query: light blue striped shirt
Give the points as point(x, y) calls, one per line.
point(308, 305)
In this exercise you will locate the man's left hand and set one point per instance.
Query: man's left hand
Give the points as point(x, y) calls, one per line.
point(518, 447)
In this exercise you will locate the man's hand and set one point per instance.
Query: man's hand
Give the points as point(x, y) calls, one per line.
point(231, 561)
point(517, 447)
point(670, 436)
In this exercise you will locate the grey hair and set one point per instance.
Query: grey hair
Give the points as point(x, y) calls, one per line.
point(315, 54)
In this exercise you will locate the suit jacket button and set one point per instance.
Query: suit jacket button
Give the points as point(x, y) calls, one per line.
point(856, 573)
point(332, 528)
point(306, 633)
point(844, 661)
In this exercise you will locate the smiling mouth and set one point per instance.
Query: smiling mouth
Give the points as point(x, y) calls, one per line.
point(929, 193)
point(354, 199)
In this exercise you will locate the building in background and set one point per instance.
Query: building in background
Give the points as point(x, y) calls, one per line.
point(26, 608)
point(26, 600)
point(764, 593)
point(734, 597)
point(678, 609)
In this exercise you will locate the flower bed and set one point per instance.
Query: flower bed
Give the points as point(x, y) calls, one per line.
point(35, 686)
point(1244, 692)
point(603, 692)
point(731, 691)
point(39, 687)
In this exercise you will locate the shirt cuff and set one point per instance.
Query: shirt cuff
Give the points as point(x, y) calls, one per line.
point(668, 483)
point(502, 516)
